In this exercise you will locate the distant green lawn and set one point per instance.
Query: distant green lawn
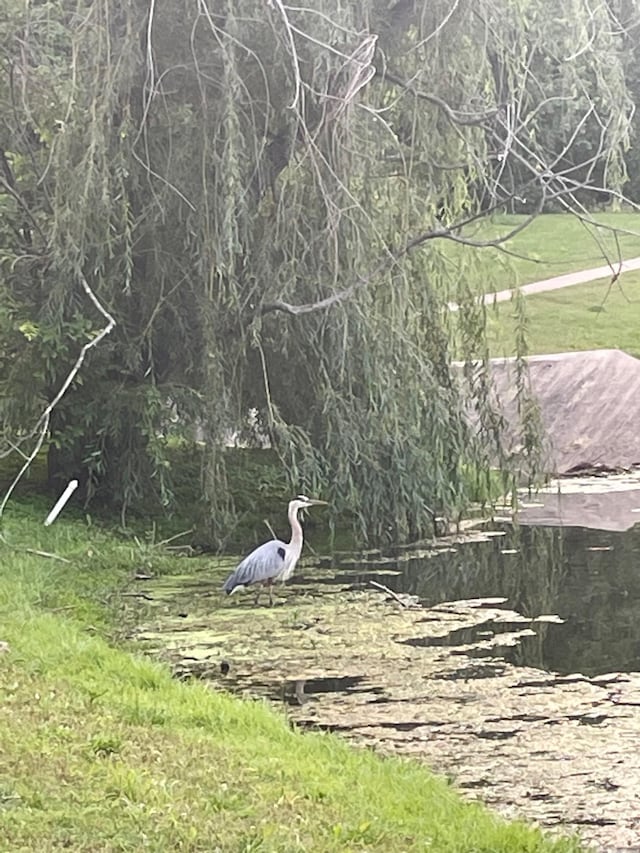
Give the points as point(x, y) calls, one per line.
point(553, 244)
point(588, 316)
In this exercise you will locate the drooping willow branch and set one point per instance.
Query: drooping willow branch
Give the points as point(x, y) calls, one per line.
point(385, 265)
point(42, 426)
point(454, 116)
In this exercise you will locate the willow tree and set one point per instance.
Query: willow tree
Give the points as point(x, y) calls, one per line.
point(263, 196)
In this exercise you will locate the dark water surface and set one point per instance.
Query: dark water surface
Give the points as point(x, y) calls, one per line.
point(589, 578)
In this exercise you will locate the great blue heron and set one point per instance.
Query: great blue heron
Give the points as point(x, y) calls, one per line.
point(275, 560)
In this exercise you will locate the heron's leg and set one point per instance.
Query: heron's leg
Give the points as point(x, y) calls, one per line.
point(270, 587)
point(258, 593)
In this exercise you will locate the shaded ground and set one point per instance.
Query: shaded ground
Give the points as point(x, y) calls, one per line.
point(426, 682)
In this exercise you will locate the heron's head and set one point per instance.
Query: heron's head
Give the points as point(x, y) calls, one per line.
point(302, 502)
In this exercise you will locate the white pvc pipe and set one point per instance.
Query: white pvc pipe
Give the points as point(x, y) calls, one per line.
point(64, 497)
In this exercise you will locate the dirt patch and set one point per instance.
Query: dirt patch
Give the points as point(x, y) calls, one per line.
point(589, 405)
point(425, 682)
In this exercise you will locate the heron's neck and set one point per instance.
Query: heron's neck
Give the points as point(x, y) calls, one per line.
point(296, 531)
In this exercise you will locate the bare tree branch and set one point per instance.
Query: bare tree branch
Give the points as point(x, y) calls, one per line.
point(454, 116)
point(42, 426)
point(9, 184)
point(394, 257)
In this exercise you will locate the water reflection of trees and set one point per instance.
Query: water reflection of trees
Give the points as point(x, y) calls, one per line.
point(528, 578)
point(600, 598)
point(559, 571)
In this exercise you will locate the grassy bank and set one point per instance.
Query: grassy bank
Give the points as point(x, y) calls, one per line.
point(588, 316)
point(553, 244)
point(102, 751)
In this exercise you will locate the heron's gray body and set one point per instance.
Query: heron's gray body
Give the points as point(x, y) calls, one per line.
point(275, 560)
point(267, 563)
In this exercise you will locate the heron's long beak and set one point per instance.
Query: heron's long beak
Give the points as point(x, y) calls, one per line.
point(314, 502)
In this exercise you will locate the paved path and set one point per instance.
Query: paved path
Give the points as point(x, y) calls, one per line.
point(559, 281)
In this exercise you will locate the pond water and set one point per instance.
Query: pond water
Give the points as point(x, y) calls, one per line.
point(508, 657)
point(589, 578)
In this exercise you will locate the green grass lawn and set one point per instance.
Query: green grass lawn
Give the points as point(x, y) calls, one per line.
point(101, 750)
point(588, 316)
point(553, 244)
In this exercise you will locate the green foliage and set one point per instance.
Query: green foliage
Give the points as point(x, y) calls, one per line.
point(203, 170)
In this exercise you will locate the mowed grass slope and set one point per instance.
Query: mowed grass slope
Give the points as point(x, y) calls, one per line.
point(101, 750)
point(553, 244)
point(596, 315)
point(589, 316)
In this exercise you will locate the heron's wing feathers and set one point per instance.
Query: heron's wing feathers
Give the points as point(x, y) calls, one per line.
point(265, 563)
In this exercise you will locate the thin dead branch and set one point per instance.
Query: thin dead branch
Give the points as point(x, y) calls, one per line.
point(42, 426)
point(390, 592)
point(455, 116)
